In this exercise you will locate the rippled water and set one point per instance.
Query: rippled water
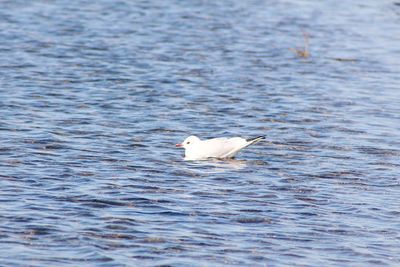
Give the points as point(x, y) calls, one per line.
point(94, 95)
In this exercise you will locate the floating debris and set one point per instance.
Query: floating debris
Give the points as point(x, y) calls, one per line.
point(303, 52)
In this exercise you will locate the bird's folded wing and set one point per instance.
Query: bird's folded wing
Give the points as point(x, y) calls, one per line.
point(224, 147)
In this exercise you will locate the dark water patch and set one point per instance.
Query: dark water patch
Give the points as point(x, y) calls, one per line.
point(154, 240)
point(348, 175)
point(99, 203)
point(375, 151)
point(254, 220)
point(116, 236)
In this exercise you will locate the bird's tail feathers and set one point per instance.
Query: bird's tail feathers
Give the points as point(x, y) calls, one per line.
point(255, 140)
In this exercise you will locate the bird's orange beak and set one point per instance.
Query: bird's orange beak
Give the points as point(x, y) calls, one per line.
point(179, 145)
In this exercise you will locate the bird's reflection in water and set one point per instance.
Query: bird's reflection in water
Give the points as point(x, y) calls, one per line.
point(217, 165)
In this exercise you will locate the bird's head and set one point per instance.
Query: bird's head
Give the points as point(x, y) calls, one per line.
point(191, 140)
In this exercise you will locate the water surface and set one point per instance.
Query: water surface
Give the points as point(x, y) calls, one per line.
point(94, 95)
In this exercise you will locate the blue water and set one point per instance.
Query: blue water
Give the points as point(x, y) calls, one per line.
point(94, 95)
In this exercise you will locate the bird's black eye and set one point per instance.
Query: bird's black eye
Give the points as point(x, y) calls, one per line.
point(187, 142)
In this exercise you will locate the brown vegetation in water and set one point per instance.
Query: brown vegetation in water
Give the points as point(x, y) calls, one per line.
point(303, 52)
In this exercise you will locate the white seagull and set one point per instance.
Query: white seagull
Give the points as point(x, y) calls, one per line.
point(220, 148)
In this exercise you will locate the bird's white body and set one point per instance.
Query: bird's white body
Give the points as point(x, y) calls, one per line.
point(221, 148)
